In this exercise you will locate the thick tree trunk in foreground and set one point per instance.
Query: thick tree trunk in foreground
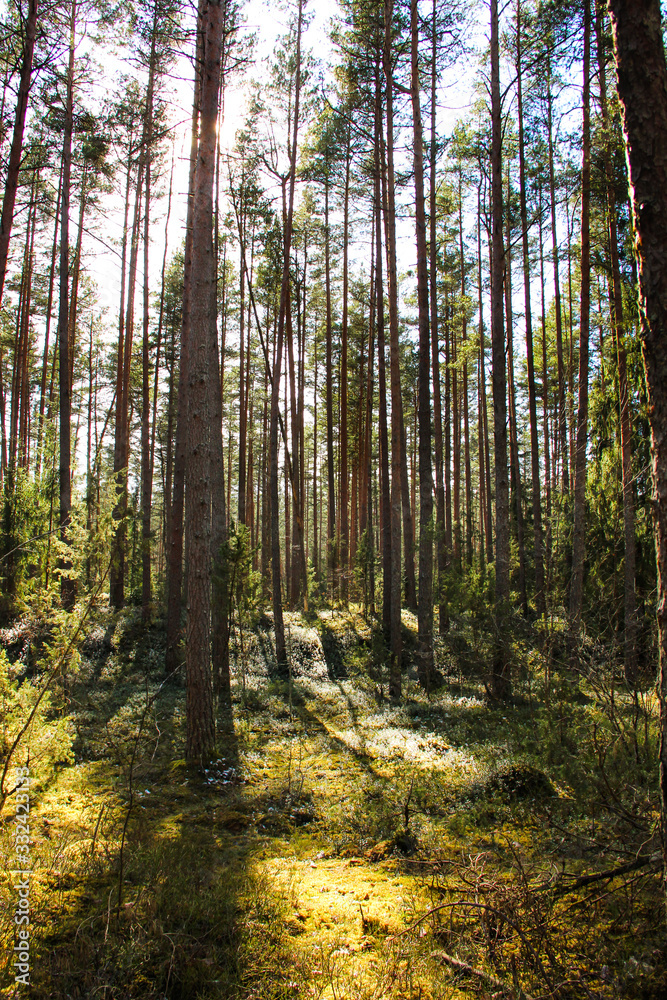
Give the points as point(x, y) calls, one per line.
point(630, 546)
point(642, 88)
point(200, 722)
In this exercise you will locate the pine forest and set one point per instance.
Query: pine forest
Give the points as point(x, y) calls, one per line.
point(333, 500)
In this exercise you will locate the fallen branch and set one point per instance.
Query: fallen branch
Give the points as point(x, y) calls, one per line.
point(490, 909)
point(611, 873)
point(460, 966)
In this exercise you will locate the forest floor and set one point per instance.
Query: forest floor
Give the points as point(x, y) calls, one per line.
point(341, 846)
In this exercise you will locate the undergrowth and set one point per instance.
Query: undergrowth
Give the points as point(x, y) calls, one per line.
point(341, 845)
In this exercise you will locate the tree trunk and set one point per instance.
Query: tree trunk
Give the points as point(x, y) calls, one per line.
point(89, 464)
point(500, 677)
point(366, 439)
point(464, 389)
point(16, 150)
point(515, 470)
point(47, 331)
point(562, 428)
point(76, 272)
point(485, 456)
point(332, 560)
point(448, 434)
point(116, 569)
point(316, 544)
point(294, 579)
point(146, 468)
point(385, 496)
point(344, 486)
point(203, 383)
point(220, 611)
point(579, 530)
point(175, 539)
point(67, 585)
point(630, 599)
point(123, 422)
point(24, 421)
point(545, 412)
point(642, 88)
point(166, 494)
point(435, 352)
point(456, 449)
point(281, 652)
point(397, 429)
point(540, 597)
point(20, 381)
point(243, 403)
point(425, 604)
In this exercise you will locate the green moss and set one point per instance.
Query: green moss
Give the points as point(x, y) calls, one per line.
point(293, 866)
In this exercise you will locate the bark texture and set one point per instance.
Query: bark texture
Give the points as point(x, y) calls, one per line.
point(200, 723)
point(642, 87)
point(630, 546)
